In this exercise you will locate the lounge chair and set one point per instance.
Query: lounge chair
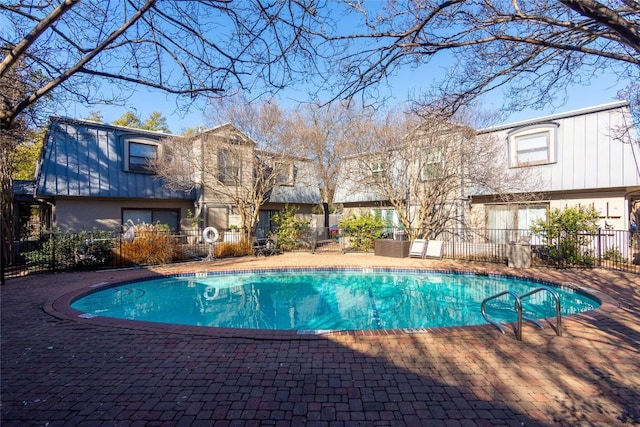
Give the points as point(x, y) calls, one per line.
point(421, 248)
point(434, 249)
point(418, 248)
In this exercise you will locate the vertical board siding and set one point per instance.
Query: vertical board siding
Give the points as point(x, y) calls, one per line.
point(590, 154)
point(86, 160)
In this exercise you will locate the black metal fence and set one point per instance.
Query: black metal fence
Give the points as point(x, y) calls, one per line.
point(56, 251)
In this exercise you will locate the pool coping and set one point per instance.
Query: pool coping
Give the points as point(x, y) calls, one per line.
point(60, 307)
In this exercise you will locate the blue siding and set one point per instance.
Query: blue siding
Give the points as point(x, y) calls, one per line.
point(87, 160)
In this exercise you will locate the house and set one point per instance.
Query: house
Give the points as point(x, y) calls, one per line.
point(588, 156)
point(503, 177)
point(410, 182)
point(98, 175)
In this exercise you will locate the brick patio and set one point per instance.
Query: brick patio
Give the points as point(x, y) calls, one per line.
point(58, 369)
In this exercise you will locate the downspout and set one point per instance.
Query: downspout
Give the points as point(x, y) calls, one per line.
point(199, 203)
point(462, 184)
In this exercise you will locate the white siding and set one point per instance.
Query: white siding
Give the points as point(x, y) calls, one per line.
point(589, 152)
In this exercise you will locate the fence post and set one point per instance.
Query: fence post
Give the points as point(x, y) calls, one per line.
point(599, 246)
point(52, 261)
point(1, 257)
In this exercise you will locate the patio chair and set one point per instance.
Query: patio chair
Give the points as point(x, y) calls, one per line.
point(434, 249)
point(258, 246)
point(272, 245)
point(418, 248)
point(266, 247)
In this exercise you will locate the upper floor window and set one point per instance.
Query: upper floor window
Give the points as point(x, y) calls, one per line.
point(377, 170)
point(284, 174)
point(533, 145)
point(432, 166)
point(139, 155)
point(228, 167)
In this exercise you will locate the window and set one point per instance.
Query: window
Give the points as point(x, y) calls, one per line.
point(388, 215)
point(284, 174)
point(433, 166)
point(265, 224)
point(139, 155)
point(506, 222)
point(533, 145)
point(228, 167)
point(168, 217)
point(377, 170)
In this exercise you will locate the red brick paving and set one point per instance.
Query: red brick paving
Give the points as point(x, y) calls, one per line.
point(58, 370)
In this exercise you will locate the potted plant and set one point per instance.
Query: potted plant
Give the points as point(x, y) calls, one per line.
point(194, 221)
point(233, 234)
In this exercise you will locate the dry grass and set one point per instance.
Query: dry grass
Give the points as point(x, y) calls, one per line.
point(228, 249)
point(152, 245)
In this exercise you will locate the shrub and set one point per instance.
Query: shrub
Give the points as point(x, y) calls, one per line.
point(568, 233)
point(614, 254)
point(153, 244)
point(232, 249)
point(72, 250)
point(362, 230)
point(290, 228)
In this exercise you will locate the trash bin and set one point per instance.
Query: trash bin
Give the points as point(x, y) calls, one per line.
point(519, 253)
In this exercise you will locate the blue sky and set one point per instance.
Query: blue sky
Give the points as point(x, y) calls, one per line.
point(601, 91)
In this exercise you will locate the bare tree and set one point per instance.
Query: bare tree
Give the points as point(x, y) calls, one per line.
point(263, 121)
point(224, 167)
point(13, 85)
point(185, 48)
point(531, 50)
point(426, 172)
point(98, 52)
point(323, 133)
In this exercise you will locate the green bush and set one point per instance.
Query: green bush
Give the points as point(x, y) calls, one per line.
point(614, 254)
point(73, 250)
point(568, 233)
point(290, 229)
point(362, 230)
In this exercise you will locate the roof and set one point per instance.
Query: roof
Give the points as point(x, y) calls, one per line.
point(86, 159)
point(558, 116)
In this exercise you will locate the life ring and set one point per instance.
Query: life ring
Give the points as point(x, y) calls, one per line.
point(209, 295)
point(210, 235)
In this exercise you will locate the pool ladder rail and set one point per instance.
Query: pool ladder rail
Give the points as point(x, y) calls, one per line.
point(518, 307)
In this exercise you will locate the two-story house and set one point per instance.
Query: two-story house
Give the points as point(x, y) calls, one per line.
point(589, 156)
point(502, 177)
point(408, 182)
point(99, 175)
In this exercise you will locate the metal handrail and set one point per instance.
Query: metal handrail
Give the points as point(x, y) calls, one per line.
point(518, 311)
point(558, 306)
point(518, 308)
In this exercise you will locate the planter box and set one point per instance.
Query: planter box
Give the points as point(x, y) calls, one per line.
point(392, 248)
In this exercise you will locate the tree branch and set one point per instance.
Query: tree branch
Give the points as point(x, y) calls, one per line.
point(628, 31)
point(21, 47)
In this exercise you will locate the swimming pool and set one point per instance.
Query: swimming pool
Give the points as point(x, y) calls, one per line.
point(325, 299)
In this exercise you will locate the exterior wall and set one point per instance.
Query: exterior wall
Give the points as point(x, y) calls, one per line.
point(591, 150)
point(593, 163)
point(218, 200)
point(87, 159)
point(84, 171)
point(218, 216)
point(613, 207)
point(76, 214)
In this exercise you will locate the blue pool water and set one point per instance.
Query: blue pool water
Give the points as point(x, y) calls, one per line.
point(325, 299)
